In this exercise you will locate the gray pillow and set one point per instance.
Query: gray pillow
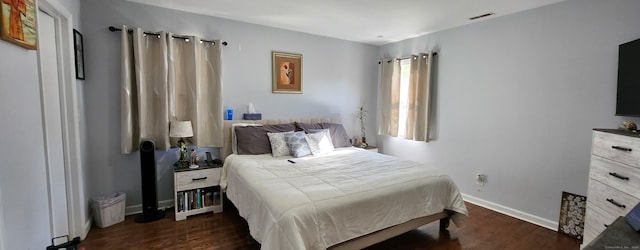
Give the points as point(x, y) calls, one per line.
point(339, 136)
point(253, 140)
point(297, 144)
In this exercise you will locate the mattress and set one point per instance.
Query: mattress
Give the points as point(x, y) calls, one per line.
point(315, 202)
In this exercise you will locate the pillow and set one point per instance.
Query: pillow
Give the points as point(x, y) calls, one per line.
point(253, 140)
point(339, 136)
point(297, 144)
point(306, 126)
point(278, 144)
point(320, 142)
point(234, 140)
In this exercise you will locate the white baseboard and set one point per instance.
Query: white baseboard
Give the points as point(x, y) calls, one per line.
point(136, 209)
point(87, 227)
point(553, 225)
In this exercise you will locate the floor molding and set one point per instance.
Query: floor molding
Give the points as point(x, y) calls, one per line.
point(549, 224)
point(87, 227)
point(137, 209)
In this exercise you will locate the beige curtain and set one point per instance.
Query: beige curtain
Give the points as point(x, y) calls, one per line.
point(196, 88)
point(166, 79)
point(389, 97)
point(416, 100)
point(417, 126)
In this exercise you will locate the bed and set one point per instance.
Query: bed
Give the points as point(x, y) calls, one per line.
point(347, 198)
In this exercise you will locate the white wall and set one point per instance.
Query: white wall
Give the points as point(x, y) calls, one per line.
point(517, 97)
point(336, 74)
point(23, 179)
point(24, 200)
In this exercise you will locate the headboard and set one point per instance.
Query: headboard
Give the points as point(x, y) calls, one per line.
point(226, 148)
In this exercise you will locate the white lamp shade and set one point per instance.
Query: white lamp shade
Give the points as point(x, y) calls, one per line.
point(180, 129)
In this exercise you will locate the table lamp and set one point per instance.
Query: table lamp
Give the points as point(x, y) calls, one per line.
point(181, 129)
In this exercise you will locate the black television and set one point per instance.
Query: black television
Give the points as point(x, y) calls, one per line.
point(628, 97)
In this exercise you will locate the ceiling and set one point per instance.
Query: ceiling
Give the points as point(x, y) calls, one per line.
point(374, 22)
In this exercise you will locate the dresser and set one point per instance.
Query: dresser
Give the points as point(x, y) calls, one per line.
point(614, 179)
point(197, 191)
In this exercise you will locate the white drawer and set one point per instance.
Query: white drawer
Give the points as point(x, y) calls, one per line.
point(616, 175)
point(594, 223)
point(186, 180)
point(604, 197)
point(620, 148)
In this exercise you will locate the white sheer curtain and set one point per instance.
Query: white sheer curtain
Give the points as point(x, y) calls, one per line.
point(415, 102)
point(166, 79)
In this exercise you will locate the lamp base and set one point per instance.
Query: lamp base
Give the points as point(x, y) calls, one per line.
point(181, 164)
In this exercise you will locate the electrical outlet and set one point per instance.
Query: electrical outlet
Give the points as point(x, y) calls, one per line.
point(481, 179)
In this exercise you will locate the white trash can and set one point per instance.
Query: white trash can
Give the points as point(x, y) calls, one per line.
point(108, 209)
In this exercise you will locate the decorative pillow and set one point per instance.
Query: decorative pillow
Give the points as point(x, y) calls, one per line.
point(320, 142)
point(297, 144)
point(339, 136)
point(254, 140)
point(278, 144)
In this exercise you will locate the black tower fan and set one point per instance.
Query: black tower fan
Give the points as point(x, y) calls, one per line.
point(150, 210)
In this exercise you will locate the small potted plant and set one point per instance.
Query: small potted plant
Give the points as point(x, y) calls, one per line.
point(362, 113)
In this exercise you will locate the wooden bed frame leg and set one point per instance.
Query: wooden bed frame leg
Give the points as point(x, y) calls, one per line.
point(444, 224)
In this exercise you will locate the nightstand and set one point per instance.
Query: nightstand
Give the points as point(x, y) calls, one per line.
point(197, 190)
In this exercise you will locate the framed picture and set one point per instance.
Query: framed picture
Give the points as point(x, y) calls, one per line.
point(79, 54)
point(287, 72)
point(572, 210)
point(18, 21)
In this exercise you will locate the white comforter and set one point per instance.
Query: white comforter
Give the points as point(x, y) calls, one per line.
point(318, 202)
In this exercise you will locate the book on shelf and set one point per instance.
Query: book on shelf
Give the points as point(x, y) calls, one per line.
point(197, 198)
point(208, 199)
point(198, 201)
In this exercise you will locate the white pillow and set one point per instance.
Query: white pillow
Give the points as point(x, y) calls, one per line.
point(320, 142)
point(234, 140)
point(279, 144)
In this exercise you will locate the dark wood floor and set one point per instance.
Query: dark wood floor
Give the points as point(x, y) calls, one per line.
point(484, 229)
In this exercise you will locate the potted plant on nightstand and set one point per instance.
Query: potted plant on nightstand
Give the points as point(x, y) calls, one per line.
point(362, 113)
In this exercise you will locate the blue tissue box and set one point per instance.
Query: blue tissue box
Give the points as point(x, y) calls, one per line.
point(256, 116)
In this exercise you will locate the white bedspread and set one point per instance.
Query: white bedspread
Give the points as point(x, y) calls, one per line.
point(320, 201)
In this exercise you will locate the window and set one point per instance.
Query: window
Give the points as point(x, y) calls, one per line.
point(403, 105)
point(404, 97)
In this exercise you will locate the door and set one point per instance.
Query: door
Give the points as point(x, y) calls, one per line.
point(52, 123)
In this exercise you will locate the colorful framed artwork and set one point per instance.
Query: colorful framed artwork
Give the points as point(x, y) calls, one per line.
point(286, 72)
point(18, 22)
point(78, 46)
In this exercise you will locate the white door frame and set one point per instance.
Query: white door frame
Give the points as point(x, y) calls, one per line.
point(78, 223)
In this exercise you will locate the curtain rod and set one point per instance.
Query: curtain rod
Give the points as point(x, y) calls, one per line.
point(434, 53)
point(114, 29)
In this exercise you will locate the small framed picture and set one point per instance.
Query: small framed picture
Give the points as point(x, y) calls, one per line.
point(286, 72)
point(79, 54)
